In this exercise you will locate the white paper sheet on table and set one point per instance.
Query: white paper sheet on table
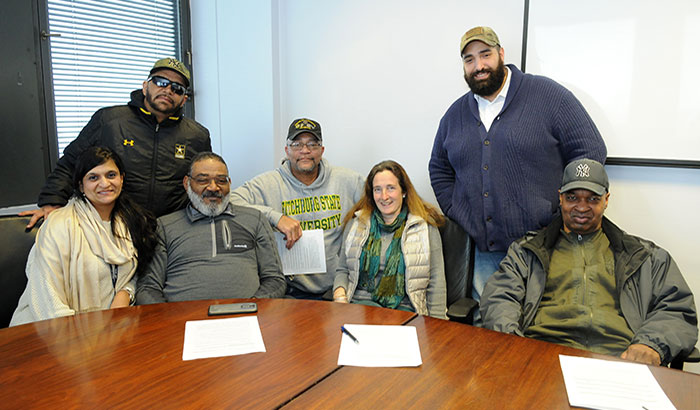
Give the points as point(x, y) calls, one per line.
point(222, 337)
point(380, 346)
point(605, 384)
point(308, 255)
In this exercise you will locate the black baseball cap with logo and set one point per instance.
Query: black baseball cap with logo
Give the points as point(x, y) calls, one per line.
point(585, 174)
point(304, 125)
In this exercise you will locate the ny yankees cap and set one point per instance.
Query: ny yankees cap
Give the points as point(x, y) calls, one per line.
point(302, 125)
point(585, 174)
point(485, 34)
point(172, 64)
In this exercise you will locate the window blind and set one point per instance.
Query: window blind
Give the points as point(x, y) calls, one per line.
point(104, 50)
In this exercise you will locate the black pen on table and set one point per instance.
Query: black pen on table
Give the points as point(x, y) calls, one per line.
point(344, 330)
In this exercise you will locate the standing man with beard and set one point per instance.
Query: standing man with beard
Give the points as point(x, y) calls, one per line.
point(500, 151)
point(212, 249)
point(155, 141)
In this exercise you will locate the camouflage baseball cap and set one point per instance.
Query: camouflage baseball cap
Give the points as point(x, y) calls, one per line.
point(485, 34)
point(302, 125)
point(172, 64)
point(585, 174)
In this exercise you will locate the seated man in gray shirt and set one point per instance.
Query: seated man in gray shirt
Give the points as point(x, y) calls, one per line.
point(212, 249)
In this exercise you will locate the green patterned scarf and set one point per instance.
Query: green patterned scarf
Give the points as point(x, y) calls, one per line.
point(391, 289)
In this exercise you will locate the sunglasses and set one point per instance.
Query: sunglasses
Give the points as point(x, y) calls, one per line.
point(163, 82)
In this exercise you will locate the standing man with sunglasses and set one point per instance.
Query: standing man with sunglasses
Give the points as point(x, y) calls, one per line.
point(152, 137)
point(305, 193)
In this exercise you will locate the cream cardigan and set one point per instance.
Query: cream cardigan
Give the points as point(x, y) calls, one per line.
point(422, 250)
point(69, 267)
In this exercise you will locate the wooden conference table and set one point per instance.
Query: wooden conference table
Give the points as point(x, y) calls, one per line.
point(132, 358)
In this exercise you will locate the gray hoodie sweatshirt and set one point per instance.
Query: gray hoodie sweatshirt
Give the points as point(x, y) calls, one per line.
point(321, 205)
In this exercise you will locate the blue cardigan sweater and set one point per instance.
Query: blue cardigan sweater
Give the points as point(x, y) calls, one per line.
point(502, 183)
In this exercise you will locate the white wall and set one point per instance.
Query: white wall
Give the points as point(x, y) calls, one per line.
point(378, 75)
point(233, 81)
point(661, 204)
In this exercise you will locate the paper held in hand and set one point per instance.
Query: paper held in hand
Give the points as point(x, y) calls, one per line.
point(308, 255)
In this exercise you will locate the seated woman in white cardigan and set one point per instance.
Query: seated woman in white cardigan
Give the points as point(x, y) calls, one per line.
point(86, 253)
point(392, 252)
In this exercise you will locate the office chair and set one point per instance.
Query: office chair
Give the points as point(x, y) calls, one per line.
point(679, 361)
point(458, 255)
point(15, 243)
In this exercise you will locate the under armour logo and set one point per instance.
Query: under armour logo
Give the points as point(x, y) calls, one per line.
point(583, 171)
point(305, 124)
point(128, 142)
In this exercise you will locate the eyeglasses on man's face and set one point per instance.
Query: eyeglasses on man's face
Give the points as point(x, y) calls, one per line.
point(220, 180)
point(311, 145)
point(163, 82)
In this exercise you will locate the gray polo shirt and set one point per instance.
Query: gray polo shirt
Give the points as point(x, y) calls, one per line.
point(232, 255)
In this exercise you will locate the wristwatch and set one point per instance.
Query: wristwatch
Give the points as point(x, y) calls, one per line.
point(132, 297)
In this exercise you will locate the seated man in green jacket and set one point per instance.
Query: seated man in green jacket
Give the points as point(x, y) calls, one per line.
point(583, 282)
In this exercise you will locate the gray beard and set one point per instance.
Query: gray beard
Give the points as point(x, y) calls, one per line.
point(208, 209)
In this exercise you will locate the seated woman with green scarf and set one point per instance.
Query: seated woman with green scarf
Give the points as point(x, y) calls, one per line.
point(392, 253)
